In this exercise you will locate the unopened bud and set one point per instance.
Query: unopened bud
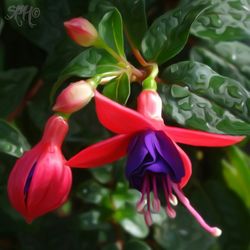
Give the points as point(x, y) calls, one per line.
point(74, 97)
point(149, 104)
point(81, 31)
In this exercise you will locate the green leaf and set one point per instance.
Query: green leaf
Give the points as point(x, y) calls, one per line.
point(182, 233)
point(92, 192)
point(134, 17)
point(202, 99)
point(168, 34)
point(98, 8)
point(12, 142)
point(111, 31)
point(87, 64)
point(63, 53)
point(131, 221)
point(90, 220)
point(225, 20)
point(136, 245)
point(227, 58)
point(118, 89)
point(14, 85)
point(236, 172)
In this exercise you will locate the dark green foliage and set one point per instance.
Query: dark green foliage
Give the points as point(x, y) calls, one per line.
point(209, 91)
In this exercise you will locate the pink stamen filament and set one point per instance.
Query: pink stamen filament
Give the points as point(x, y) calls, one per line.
point(142, 202)
point(147, 212)
point(156, 201)
point(172, 198)
point(169, 210)
point(184, 200)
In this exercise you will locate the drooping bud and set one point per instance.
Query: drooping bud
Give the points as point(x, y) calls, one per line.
point(149, 104)
point(81, 31)
point(40, 181)
point(74, 97)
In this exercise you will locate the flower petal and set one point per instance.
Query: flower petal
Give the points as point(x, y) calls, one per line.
point(199, 138)
point(187, 166)
point(170, 153)
point(101, 153)
point(119, 119)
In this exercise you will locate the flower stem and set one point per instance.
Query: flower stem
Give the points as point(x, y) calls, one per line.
point(139, 75)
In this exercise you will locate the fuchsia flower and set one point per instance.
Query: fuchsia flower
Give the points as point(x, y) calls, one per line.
point(74, 97)
point(81, 31)
point(40, 180)
point(155, 161)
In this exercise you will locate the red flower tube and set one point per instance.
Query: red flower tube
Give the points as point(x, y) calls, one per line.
point(154, 159)
point(40, 181)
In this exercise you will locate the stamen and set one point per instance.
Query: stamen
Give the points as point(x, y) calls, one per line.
point(156, 204)
point(212, 230)
point(148, 217)
point(172, 198)
point(142, 202)
point(169, 210)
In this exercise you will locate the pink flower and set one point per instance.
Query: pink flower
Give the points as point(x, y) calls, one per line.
point(74, 97)
point(40, 180)
point(81, 31)
point(154, 159)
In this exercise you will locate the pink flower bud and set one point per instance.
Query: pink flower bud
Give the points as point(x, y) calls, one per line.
point(149, 104)
point(40, 181)
point(74, 97)
point(81, 31)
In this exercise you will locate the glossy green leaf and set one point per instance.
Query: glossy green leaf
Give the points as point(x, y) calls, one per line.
point(90, 220)
point(182, 233)
point(87, 64)
point(118, 89)
point(122, 196)
point(168, 34)
point(136, 245)
point(202, 99)
point(225, 20)
point(131, 221)
point(98, 8)
point(63, 53)
point(14, 85)
point(111, 31)
point(134, 17)
point(236, 172)
point(12, 142)
point(227, 58)
point(92, 192)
